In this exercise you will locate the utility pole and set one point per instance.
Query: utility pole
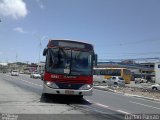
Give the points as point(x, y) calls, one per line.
point(39, 53)
point(16, 61)
point(40, 46)
point(16, 57)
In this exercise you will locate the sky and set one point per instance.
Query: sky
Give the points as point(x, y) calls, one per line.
point(118, 29)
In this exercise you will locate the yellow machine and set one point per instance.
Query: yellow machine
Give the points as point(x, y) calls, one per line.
point(106, 73)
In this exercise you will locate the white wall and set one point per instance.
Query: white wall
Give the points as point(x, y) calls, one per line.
point(157, 72)
point(4, 64)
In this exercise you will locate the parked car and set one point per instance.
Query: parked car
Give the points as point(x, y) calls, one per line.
point(21, 72)
point(155, 87)
point(42, 75)
point(35, 75)
point(140, 80)
point(116, 80)
point(14, 73)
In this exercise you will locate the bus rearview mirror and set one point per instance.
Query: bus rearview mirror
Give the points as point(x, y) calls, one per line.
point(45, 51)
point(95, 59)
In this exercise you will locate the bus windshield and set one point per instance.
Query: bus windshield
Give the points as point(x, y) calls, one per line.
point(67, 61)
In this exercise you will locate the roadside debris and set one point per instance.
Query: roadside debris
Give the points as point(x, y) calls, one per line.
point(144, 92)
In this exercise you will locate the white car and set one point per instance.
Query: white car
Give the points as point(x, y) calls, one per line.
point(35, 75)
point(155, 87)
point(116, 80)
point(14, 73)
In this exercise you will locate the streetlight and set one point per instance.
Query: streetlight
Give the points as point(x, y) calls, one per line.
point(40, 46)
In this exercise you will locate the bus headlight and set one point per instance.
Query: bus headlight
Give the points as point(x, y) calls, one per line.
point(52, 85)
point(86, 87)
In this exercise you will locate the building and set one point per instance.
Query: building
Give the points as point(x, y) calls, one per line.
point(3, 67)
point(41, 67)
point(139, 70)
point(157, 73)
point(148, 71)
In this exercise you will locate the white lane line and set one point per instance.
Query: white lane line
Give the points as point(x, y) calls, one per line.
point(30, 83)
point(131, 96)
point(88, 100)
point(105, 106)
point(145, 105)
point(142, 98)
point(26, 81)
point(121, 111)
point(94, 109)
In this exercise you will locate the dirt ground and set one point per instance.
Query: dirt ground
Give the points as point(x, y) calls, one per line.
point(139, 91)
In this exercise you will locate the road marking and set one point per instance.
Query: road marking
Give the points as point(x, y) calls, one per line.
point(31, 83)
point(105, 106)
point(94, 109)
point(141, 98)
point(88, 100)
point(26, 81)
point(121, 111)
point(131, 96)
point(144, 105)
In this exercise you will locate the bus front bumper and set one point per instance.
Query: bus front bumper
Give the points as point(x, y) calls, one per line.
point(50, 90)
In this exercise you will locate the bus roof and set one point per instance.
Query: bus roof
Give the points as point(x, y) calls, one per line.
point(109, 68)
point(69, 40)
point(70, 44)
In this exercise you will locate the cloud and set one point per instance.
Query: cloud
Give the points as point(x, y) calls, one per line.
point(19, 29)
point(13, 8)
point(40, 4)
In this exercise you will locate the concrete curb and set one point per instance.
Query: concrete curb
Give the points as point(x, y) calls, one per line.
point(152, 99)
point(126, 94)
point(104, 89)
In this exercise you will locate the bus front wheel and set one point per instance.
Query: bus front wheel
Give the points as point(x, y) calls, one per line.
point(79, 96)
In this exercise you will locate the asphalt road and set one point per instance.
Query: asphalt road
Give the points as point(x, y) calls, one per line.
point(21, 95)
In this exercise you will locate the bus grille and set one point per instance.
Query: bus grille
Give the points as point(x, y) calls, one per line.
point(69, 86)
point(70, 81)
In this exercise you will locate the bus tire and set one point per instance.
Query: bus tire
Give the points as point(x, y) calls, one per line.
point(79, 96)
point(44, 95)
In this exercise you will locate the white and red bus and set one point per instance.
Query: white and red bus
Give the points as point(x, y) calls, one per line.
point(69, 68)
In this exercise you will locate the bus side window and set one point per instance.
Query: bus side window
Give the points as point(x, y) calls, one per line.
point(101, 72)
point(97, 72)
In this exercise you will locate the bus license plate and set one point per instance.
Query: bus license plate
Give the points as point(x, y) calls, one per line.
point(69, 92)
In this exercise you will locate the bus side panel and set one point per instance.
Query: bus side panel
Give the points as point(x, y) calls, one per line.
point(126, 76)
